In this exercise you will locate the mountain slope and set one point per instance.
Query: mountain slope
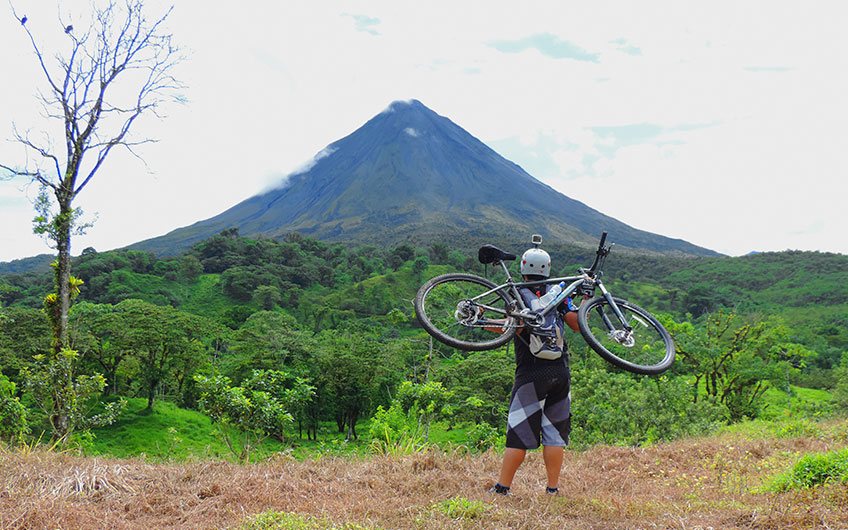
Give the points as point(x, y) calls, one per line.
point(410, 174)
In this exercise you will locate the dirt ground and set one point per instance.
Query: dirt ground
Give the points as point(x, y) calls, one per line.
point(699, 483)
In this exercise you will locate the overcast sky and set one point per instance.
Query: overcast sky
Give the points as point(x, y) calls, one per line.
point(721, 123)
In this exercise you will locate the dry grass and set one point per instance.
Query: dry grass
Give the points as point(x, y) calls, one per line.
point(702, 483)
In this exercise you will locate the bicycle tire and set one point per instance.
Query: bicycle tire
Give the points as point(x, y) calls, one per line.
point(651, 351)
point(437, 304)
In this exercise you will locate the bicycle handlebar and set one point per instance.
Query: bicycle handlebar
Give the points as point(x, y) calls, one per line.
point(600, 252)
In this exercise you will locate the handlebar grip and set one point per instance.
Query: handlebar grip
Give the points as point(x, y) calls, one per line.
point(603, 240)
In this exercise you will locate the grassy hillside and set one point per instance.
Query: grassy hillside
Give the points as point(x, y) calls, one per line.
point(721, 481)
point(171, 433)
point(168, 432)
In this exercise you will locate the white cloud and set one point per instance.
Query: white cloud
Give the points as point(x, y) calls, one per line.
point(322, 154)
point(412, 132)
point(270, 85)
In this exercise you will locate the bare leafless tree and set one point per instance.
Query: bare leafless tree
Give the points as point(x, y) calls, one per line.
point(112, 73)
point(117, 69)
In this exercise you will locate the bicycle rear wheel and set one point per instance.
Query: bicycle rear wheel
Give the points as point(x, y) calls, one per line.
point(645, 348)
point(463, 311)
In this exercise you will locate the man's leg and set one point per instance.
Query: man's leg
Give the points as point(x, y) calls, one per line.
point(511, 461)
point(553, 456)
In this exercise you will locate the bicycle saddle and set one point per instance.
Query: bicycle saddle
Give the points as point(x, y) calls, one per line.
point(491, 254)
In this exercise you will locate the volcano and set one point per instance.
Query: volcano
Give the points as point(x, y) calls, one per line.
point(409, 175)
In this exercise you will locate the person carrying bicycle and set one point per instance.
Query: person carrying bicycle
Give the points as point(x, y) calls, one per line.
point(540, 404)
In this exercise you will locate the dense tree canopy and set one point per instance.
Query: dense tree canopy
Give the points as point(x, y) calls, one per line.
point(338, 322)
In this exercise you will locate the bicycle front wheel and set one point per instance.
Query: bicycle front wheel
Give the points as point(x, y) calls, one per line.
point(464, 311)
point(640, 345)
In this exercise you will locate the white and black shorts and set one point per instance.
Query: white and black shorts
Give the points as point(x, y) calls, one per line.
point(540, 411)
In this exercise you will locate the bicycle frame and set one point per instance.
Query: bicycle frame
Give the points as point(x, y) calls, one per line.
point(587, 276)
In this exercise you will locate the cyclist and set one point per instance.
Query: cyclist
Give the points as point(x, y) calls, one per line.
point(540, 405)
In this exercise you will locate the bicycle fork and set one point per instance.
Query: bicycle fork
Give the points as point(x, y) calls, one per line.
point(615, 309)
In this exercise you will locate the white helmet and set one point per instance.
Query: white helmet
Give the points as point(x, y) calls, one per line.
point(536, 261)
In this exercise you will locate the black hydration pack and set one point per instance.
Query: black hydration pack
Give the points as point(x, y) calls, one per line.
point(546, 341)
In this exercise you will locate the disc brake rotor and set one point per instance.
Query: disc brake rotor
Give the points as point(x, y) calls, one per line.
point(623, 337)
point(466, 313)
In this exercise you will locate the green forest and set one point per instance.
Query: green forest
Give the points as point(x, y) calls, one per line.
point(241, 348)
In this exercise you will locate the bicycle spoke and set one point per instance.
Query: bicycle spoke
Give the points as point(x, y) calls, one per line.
point(641, 344)
point(454, 308)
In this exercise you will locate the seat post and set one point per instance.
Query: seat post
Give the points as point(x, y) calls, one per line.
point(506, 270)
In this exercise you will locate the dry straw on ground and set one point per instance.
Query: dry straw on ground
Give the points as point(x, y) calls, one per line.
point(705, 483)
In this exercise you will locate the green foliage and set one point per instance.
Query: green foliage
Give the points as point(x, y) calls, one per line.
point(355, 373)
point(166, 432)
point(190, 267)
point(13, 415)
point(52, 224)
point(814, 470)
point(166, 345)
point(482, 383)
point(809, 290)
point(256, 410)
point(268, 340)
point(267, 297)
point(205, 298)
point(405, 425)
point(293, 393)
point(8, 293)
point(482, 437)
point(734, 362)
point(462, 508)
point(272, 520)
point(340, 318)
point(624, 409)
point(840, 393)
point(420, 265)
point(404, 443)
point(425, 403)
point(797, 429)
point(24, 333)
point(797, 402)
point(53, 307)
point(69, 401)
point(392, 426)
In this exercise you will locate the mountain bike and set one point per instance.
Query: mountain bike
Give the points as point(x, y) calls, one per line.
point(469, 312)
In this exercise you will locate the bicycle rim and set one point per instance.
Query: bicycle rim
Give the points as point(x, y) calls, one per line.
point(450, 307)
point(645, 348)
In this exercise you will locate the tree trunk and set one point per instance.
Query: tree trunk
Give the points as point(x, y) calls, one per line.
point(63, 275)
point(60, 419)
point(151, 394)
point(111, 382)
point(351, 426)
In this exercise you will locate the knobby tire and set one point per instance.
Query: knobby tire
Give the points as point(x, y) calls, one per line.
point(437, 300)
point(652, 351)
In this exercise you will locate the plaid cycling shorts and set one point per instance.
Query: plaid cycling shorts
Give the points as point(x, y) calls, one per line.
point(540, 411)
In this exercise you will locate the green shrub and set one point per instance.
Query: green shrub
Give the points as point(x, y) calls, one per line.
point(394, 432)
point(798, 429)
point(840, 392)
point(624, 409)
point(272, 520)
point(462, 508)
point(13, 415)
point(483, 436)
point(814, 470)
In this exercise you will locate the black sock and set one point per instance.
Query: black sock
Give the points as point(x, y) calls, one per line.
point(501, 489)
point(549, 489)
